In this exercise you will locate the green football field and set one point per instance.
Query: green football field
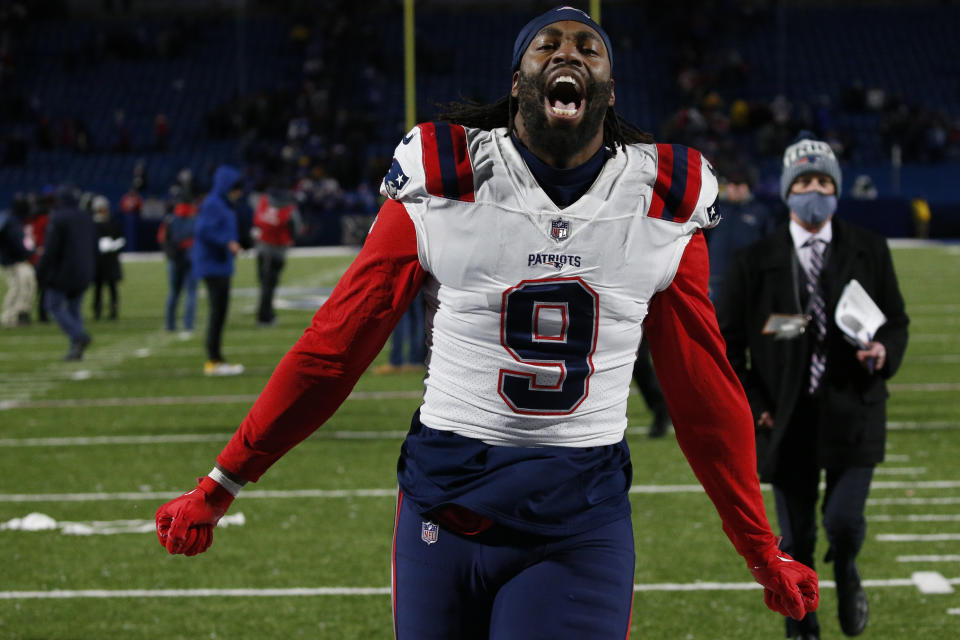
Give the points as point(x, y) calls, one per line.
point(97, 446)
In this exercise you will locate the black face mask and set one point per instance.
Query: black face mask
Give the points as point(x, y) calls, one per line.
point(560, 142)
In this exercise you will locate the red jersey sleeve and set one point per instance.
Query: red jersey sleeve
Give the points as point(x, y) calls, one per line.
point(711, 417)
point(346, 334)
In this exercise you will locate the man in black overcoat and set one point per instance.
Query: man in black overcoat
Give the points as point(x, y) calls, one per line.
point(819, 401)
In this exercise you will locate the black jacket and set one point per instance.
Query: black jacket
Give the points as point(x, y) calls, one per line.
point(108, 267)
point(12, 248)
point(69, 252)
point(762, 280)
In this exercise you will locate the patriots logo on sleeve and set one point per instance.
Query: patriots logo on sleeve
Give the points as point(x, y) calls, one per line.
point(712, 213)
point(395, 180)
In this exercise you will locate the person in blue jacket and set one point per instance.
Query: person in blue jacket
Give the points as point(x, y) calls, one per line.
point(215, 245)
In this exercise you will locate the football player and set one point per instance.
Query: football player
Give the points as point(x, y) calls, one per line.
point(547, 236)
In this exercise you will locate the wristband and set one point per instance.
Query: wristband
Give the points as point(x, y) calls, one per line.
point(221, 478)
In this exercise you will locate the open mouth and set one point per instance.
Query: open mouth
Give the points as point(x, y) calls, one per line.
point(565, 97)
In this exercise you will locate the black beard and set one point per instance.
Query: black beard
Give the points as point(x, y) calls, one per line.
point(560, 143)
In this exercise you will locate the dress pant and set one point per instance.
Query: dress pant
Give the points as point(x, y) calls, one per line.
point(796, 492)
point(218, 295)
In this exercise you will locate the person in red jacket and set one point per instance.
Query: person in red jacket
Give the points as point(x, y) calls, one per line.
point(276, 222)
point(547, 236)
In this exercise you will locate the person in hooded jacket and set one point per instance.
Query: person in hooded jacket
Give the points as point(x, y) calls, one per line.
point(216, 244)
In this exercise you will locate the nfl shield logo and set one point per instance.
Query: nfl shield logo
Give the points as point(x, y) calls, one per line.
point(559, 228)
point(429, 532)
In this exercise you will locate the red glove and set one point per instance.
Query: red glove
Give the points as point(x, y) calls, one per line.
point(185, 524)
point(789, 587)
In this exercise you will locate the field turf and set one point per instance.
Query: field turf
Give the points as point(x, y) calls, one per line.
point(105, 441)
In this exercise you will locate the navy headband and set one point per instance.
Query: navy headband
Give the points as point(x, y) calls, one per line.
point(557, 14)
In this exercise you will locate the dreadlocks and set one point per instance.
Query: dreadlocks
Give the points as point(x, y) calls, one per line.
point(617, 132)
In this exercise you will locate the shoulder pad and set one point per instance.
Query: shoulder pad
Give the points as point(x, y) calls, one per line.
point(431, 160)
point(686, 187)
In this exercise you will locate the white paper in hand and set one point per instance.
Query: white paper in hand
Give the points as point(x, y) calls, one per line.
point(857, 315)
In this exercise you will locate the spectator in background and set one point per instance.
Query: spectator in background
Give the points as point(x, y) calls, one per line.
point(407, 342)
point(131, 203)
point(863, 188)
point(176, 237)
point(36, 230)
point(646, 378)
point(66, 268)
point(122, 137)
point(216, 244)
point(131, 206)
point(15, 252)
point(108, 273)
point(276, 222)
point(161, 132)
point(745, 220)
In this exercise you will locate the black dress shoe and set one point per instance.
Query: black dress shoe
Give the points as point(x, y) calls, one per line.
point(852, 608)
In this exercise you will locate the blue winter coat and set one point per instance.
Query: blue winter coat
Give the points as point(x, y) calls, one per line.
point(215, 228)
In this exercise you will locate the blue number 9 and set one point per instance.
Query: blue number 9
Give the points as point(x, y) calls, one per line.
point(550, 324)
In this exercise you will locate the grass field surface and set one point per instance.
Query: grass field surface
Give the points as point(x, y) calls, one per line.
point(98, 445)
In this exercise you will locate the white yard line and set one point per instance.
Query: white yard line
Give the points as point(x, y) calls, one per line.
point(922, 581)
point(389, 492)
point(18, 394)
point(167, 495)
point(95, 361)
point(943, 357)
point(900, 471)
point(931, 386)
point(922, 426)
point(916, 517)
point(81, 441)
point(931, 558)
point(911, 501)
point(181, 400)
point(917, 537)
point(931, 582)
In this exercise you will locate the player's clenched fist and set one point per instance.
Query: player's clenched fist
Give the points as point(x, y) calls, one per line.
point(789, 587)
point(185, 524)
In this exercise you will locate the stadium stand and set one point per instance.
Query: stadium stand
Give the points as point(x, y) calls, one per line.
point(309, 96)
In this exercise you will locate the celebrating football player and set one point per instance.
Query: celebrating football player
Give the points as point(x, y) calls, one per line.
point(547, 236)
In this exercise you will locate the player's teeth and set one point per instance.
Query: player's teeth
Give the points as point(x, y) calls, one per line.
point(561, 109)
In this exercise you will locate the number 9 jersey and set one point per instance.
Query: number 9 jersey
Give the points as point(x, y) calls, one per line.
point(535, 312)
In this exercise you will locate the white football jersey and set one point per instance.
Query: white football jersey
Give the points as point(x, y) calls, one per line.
point(534, 313)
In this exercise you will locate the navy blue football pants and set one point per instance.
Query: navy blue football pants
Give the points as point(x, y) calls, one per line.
point(502, 584)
